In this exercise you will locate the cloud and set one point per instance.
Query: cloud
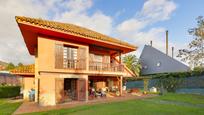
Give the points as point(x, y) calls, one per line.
point(131, 25)
point(136, 29)
point(97, 22)
point(79, 5)
point(120, 12)
point(152, 11)
point(12, 46)
point(77, 14)
point(157, 10)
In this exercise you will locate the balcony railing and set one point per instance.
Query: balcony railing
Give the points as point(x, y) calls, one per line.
point(80, 64)
point(77, 64)
point(99, 66)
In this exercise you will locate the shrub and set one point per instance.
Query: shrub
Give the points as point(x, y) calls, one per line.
point(198, 71)
point(169, 83)
point(9, 91)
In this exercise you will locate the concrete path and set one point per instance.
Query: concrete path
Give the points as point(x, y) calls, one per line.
point(29, 107)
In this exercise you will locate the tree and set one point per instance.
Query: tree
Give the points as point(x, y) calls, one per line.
point(20, 64)
point(132, 62)
point(194, 54)
point(10, 66)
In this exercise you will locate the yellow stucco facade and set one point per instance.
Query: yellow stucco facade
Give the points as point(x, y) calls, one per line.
point(48, 81)
point(28, 84)
point(46, 75)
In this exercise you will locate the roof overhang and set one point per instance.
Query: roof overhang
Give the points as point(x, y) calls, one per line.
point(31, 32)
point(24, 74)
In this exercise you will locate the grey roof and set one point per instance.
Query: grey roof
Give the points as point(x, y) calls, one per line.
point(154, 61)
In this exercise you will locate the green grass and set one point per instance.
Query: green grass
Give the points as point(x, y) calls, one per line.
point(187, 98)
point(7, 108)
point(169, 104)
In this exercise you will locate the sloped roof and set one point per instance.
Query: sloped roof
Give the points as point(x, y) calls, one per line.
point(24, 70)
point(71, 29)
point(154, 61)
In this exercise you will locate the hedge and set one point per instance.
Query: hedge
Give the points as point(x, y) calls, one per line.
point(9, 91)
point(194, 73)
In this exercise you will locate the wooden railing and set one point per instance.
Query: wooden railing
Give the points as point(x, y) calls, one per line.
point(77, 64)
point(99, 66)
point(80, 64)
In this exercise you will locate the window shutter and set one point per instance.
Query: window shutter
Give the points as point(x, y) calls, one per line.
point(59, 90)
point(81, 58)
point(81, 84)
point(58, 56)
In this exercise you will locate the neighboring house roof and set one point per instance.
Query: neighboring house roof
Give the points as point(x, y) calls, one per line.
point(25, 70)
point(72, 30)
point(154, 61)
point(3, 65)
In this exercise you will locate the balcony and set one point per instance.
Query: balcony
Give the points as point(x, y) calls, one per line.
point(110, 67)
point(75, 64)
point(80, 64)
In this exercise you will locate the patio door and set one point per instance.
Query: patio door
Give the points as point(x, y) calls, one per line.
point(70, 89)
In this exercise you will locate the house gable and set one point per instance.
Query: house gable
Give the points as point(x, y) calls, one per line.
point(154, 61)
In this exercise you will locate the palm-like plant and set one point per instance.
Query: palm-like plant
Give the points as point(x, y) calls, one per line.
point(132, 62)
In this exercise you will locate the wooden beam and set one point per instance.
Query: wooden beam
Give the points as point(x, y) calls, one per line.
point(146, 84)
point(121, 85)
point(120, 58)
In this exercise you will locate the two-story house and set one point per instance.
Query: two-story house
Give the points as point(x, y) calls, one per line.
point(69, 60)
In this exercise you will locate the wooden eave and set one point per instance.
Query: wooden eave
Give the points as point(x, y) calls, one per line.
point(30, 33)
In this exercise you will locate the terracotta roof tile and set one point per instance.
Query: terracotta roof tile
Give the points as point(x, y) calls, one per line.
point(71, 29)
point(24, 69)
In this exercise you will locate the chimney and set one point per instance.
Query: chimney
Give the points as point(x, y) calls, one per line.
point(172, 52)
point(151, 43)
point(167, 44)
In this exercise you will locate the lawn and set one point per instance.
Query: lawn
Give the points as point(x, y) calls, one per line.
point(7, 107)
point(186, 98)
point(169, 104)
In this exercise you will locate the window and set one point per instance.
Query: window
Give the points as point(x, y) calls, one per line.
point(145, 67)
point(98, 58)
point(70, 53)
point(158, 64)
point(69, 57)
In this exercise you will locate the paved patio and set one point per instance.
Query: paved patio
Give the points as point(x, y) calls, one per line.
point(29, 107)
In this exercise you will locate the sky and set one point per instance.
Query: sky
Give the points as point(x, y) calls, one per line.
point(135, 21)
